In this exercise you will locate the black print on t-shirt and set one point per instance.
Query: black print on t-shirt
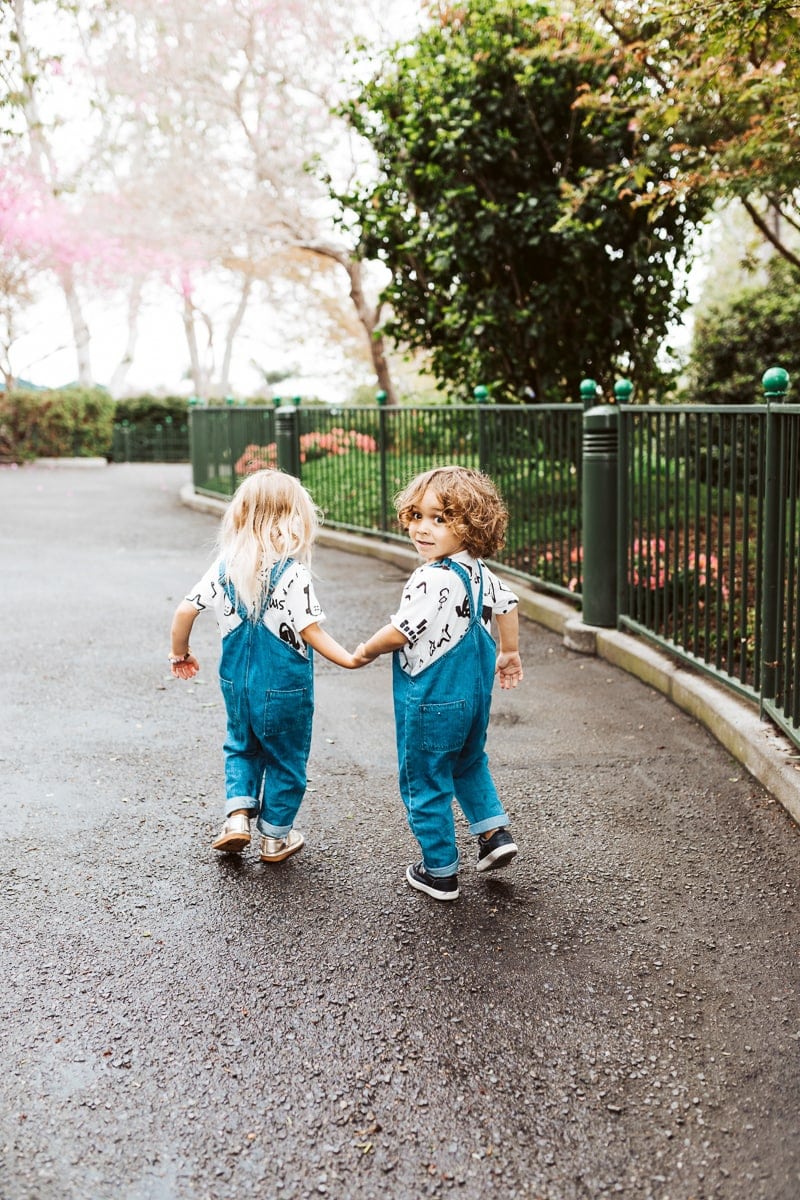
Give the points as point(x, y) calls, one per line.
point(433, 645)
point(443, 594)
point(486, 614)
point(307, 594)
point(278, 602)
point(287, 634)
point(413, 632)
point(423, 586)
point(462, 610)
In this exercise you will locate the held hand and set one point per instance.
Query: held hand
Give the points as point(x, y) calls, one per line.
point(187, 669)
point(359, 657)
point(509, 669)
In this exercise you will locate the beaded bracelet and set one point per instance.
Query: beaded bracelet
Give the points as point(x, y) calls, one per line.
point(179, 658)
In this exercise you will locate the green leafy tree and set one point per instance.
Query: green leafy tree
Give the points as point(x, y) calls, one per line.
point(723, 86)
point(516, 258)
point(737, 338)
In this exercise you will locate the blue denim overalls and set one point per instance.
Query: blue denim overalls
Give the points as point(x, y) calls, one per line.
point(268, 688)
point(441, 719)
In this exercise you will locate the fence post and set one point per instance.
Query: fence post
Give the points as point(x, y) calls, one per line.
point(775, 381)
point(287, 439)
point(481, 395)
point(600, 464)
point(588, 390)
point(381, 398)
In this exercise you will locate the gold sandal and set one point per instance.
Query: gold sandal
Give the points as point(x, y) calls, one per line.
point(277, 849)
point(234, 835)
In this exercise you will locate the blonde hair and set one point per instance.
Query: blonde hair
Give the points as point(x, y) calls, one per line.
point(470, 502)
point(270, 518)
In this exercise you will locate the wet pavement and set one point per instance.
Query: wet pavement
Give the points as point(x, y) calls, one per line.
point(616, 1014)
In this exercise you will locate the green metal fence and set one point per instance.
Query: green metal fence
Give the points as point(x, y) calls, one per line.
point(162, 441)
point(692, 516)
point(705, 515)
point(780, 604)
point(355, 460)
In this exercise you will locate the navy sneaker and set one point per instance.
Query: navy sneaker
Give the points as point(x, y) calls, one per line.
point(496, 851)
point(445, 888)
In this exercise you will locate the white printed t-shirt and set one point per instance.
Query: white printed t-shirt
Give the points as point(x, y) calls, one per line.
point(432, 613)
point(293, 604)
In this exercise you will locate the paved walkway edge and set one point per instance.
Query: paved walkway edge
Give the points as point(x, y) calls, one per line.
point(768, 755)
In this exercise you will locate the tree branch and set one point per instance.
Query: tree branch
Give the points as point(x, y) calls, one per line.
point(763, 228)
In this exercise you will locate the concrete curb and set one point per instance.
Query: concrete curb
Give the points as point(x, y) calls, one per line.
point(70, 462)
point(766, 753)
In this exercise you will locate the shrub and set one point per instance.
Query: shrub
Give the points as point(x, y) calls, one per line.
point(60, 423)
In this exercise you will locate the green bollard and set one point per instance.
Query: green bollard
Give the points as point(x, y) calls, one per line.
point(380, 398)
point(287, 439)
point(599, 514)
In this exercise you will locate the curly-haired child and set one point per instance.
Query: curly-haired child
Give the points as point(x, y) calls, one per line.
point(444, 663)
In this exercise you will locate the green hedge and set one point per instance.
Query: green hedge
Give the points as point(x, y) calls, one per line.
point(64, 423)
point(86, 422)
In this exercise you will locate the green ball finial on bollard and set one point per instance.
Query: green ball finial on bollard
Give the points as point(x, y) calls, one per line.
point(296, 401)
point(481, 394)
point(623, 390)
point(775, 382)
point(381, 397)
point(588, 392)
point(276, 401)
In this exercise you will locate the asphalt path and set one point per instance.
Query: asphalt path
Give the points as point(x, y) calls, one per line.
point(616, 1014)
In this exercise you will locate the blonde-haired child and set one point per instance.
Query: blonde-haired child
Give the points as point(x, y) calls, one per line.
point(262, 594)
point(444, 663)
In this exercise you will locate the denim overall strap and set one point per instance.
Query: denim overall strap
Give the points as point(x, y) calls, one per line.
point(229, 590)
point(475, 610)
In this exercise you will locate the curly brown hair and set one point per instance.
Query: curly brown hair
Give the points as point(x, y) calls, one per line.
point(470, 504)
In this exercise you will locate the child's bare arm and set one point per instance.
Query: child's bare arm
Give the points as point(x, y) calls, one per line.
point(383, 642)
point(314, 635)
point(182, 623)
point(509, 664)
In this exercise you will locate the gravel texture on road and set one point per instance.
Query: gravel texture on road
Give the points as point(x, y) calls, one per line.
point(615, 1014)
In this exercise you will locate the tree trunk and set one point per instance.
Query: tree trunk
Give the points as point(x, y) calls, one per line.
point(233, 330)
point(122, 368)
point(45, 167)
point(367, 314)
point(198, 374)
point(80, 330)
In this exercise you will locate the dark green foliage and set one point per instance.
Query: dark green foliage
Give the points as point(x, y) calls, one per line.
point(741, 335)
point(518, 261)
point(152, 410)
point(62, 423)
point(151, 429)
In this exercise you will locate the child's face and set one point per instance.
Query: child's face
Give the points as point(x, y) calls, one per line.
point(429, 531)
